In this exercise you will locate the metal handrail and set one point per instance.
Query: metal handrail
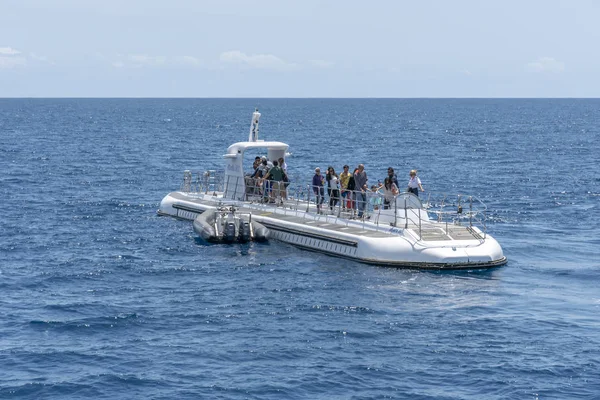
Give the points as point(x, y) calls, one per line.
point(447, 209)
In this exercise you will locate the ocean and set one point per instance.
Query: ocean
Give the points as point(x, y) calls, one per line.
point(102, 298)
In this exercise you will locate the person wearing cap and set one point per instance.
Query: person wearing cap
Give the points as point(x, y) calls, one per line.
point(317, 184)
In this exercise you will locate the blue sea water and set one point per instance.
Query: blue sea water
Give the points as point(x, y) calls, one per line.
point(101, 298)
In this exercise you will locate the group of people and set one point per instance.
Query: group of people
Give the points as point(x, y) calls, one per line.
point(351, 188)
point(269, 179)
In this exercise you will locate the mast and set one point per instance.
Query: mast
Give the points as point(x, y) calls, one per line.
point(253, 137)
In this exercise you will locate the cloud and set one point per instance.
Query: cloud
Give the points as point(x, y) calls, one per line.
point(145, 60)
point(11, 58)
point(546, 64)
point(12, 62)
point(187, 61)
point(140, 60)
point(38, 57)
point(258, 61)
point(8, 51)
point(321, 63)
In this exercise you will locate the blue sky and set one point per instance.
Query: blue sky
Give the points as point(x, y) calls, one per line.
point(308, 48)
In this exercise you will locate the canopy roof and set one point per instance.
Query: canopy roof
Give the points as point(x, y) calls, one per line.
point(241, 147)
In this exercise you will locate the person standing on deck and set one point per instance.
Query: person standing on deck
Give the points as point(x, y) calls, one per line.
point(360, 179)
point(333, 187)
point(390, 191)
point(317, 186)
point(392, 176)
point(275, 177)
point(286, 179)
point(344, 178)
point(256, 163)
point(350, 191)
point(414, 183)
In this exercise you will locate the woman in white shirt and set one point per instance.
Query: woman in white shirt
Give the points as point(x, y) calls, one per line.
point(414, 183)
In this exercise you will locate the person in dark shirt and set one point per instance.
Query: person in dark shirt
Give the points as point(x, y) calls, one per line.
point(317, 185)
point(256, 163)
point(360, 178)
point(392, 176)
point(351, 188)
point(275, 177)
point(333, 187)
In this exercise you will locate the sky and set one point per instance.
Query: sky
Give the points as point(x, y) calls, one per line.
point(292, 48)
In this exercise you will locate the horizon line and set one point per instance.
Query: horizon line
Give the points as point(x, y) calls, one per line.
point(299, 98)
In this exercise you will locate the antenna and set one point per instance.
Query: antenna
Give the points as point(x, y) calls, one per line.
point(253, 137)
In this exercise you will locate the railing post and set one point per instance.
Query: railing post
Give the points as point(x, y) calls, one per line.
point(396, 210)
point(484, 227)
point(308, 199)
point(237, 182)
point(471, 211)
point(405, 215)
point(297, 202)
point(206, 182)
point(420, 233)
point(225, 192)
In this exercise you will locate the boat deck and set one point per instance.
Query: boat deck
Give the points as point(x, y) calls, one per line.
point(354, 230)
point(452, 232)
point(428, 231)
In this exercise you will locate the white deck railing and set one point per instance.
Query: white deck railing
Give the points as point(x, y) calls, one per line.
point(404, 210)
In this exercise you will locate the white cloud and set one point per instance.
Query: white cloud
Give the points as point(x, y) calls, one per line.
point(11, 58)
point(187, 60)
point(145, 60)
point(546, 64)
point(38, 57)
point(321, 63)
point(259, 61)
point(8, 51)
point(12, 62)
point(138, 61)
